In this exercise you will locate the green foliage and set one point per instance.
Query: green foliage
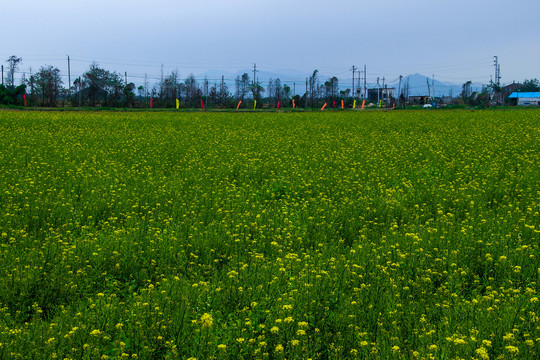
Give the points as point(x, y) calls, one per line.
point(532, 85)
point(48, 85)
point(9, 96)
point(335, 235)
point(101, 87)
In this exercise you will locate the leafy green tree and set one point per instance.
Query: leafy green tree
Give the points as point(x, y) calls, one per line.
point(12, 96)
point(530, 85)
point(48, 85)
point(102, 87)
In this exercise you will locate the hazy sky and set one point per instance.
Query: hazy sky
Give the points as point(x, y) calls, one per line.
point(454, 40)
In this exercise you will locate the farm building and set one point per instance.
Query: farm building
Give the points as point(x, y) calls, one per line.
point(383, 93)
point(525, 98)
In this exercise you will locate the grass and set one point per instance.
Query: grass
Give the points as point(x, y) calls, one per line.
point(259, 235)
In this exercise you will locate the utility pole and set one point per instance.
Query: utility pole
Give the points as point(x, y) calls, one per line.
point(433, 85)
point(254, 74)
point(399, 89)
point(31, 87)
point(222, 90)
point(205, 93)
point(2, 74)
point(80, 93)
point(305, 105)
point(378, 88)
point(353, 69)
point(69, 77)
point(294, 89)
point(365, 82)
point(125, 74)
point(383, 91)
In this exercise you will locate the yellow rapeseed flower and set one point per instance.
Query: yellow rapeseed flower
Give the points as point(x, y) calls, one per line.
point(206, 320)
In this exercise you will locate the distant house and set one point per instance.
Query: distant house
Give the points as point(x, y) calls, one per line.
point(447, 99)
point(419, 99)
point(526, 98)
point(508, 89)
point(383, 94)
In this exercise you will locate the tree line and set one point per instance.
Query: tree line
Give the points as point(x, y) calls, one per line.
point(99, 87)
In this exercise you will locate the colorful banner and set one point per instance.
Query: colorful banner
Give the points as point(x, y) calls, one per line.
point(202, 104)
point(323, 106)
point(238, 106)
point(333, 104)
point(278, 103)
point(342, 104)
point(177, 104)
point(254, 104)
point(363, 104)
point(380, 104)
point(151, 103)
point(354, 104)
point(293, 105)
point(24, 97)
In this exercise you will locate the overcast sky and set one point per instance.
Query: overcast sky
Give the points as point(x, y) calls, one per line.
point(453, 40)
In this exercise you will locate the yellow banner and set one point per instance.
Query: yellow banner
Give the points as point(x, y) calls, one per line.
point(177, 103)
point(354, 104)
point(254, 104)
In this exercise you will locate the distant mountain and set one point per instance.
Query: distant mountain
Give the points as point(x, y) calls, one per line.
point(416, 82)
point(418, 86)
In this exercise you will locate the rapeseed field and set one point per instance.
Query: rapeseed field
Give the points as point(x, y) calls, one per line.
point(270, 235)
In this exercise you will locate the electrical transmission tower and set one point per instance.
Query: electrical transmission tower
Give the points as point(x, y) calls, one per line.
point(497, 71)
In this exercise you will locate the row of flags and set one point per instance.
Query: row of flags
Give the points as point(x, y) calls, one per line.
point(255, 104)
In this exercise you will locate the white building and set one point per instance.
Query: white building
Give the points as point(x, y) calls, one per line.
point(526, 98)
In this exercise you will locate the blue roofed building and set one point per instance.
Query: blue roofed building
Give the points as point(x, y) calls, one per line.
point(525, 98)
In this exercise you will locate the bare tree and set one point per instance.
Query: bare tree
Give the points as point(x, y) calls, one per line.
point(192, 90)
point(278, 90)
point(313, 86)
point(13, 65)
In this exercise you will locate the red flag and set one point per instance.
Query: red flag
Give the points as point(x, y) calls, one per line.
point(278, 103)
point(202, 105)
point(24, 97)
point(151, 103)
